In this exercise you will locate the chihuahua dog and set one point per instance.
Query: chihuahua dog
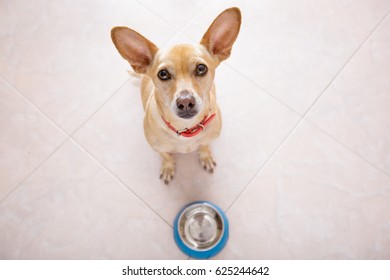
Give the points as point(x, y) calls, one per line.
point(177, 88)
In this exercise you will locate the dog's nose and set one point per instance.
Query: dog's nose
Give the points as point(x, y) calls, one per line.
point(185, 103)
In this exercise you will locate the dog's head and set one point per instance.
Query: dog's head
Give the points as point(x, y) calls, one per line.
point(183, 75)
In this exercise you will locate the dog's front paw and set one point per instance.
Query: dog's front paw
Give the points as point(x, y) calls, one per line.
point(206, 159)
point(208, 164)
point(167, 168)
point(167, 174)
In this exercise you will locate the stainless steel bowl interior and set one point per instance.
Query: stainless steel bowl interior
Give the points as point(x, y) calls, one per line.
point(200, 226)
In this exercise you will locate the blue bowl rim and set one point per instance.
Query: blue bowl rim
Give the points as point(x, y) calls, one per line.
point(202, 254)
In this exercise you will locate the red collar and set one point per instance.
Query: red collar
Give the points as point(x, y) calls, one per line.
point(190, 132)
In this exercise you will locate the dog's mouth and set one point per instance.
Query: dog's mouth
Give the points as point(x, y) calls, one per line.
point(186, 105)
point(187, 114)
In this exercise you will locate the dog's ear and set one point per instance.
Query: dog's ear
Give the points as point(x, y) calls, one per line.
point(134, 47)
point(222, 33)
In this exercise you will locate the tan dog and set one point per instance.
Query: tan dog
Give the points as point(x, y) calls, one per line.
point(178, 93)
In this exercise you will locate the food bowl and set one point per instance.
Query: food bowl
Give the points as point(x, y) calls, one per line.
point(201, 230)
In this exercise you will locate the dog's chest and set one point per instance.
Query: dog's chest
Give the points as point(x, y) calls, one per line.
point(163, 139)
point(180, 144)
point(169, 142)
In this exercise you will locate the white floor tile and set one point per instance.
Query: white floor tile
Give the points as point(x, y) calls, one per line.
point(355, 109)
point(26, 138)
point(61, 56)
point(294, 49)
point(314, 200)
point(176, 13)
point(72, 209)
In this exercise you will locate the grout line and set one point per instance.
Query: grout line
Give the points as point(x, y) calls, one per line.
point(365, 41)
point(69, 137)
point(303, 117)
point(273, 154)
point(349, 148)
point(195, 16)
point(47, 118)
point(156, 14)
point(66, 135)
point(20, 182)
point(172, 26)
point(101, 165)
point(101, 106)
point(262, 88)
point(123, 184)
point(328, 84)
point(36, 107)
point(352, 56)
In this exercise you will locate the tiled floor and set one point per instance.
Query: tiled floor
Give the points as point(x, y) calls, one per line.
point(303, 160)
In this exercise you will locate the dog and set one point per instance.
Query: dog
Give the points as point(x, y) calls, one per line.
point(178, 91)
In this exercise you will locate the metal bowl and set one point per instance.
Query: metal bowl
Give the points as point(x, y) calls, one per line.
point(201, 230)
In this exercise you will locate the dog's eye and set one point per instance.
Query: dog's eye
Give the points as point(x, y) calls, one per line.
point(164, 75)
point(201, 70)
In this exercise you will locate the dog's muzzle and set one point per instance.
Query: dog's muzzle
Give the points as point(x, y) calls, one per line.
point(186, 105)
